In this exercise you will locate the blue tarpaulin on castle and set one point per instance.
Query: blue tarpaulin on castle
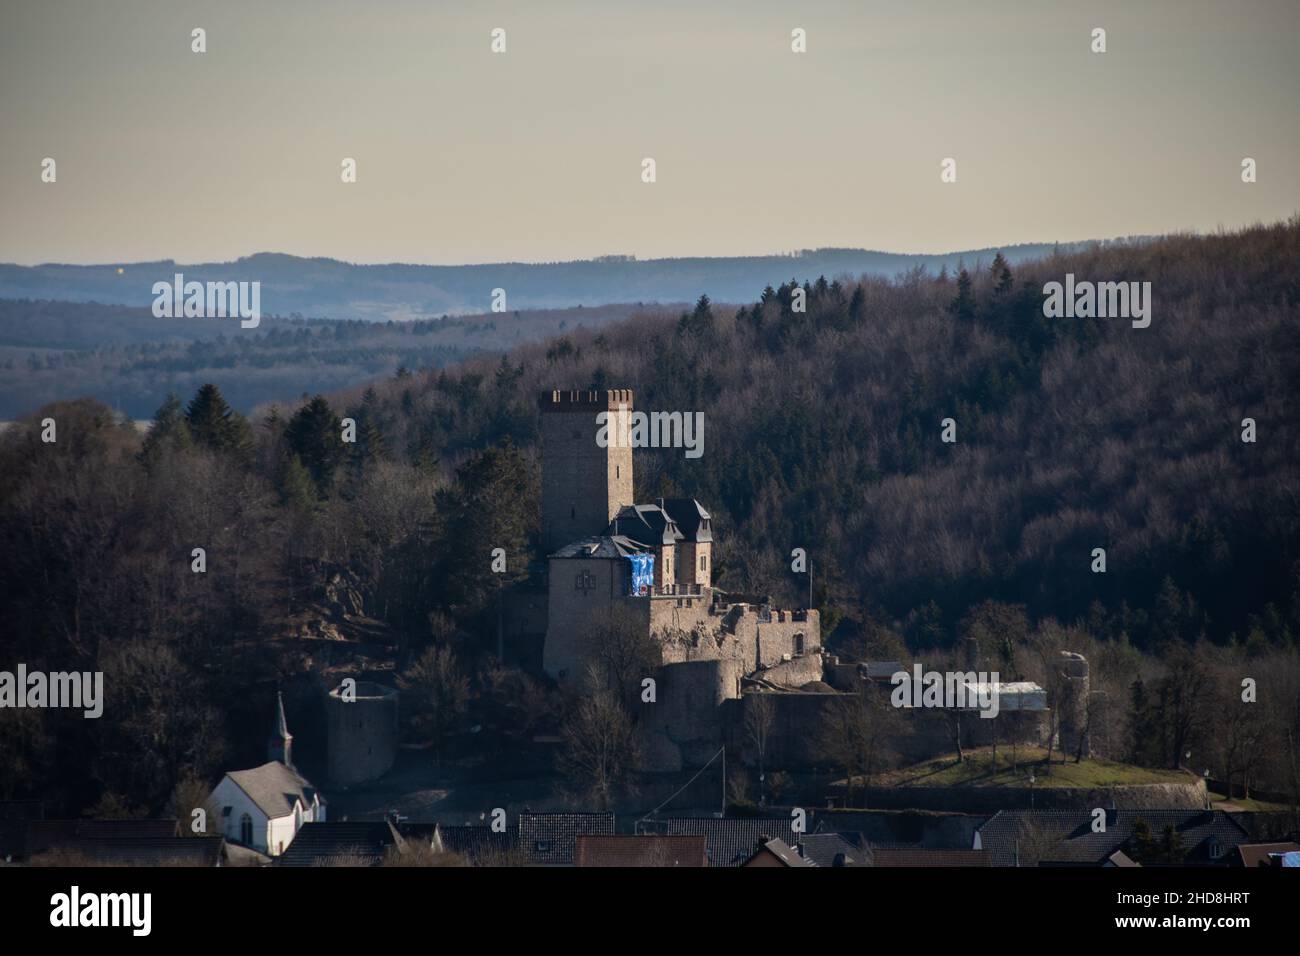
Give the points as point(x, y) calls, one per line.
point(643, 574)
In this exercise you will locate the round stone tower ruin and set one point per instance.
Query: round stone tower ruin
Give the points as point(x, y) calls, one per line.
point(1075, 686)
point(361, 720)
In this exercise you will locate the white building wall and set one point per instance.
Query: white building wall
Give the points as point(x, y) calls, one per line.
point(228, 794)
point(270, 836)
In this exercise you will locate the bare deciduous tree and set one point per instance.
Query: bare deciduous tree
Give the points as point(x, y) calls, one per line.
point(601, 748)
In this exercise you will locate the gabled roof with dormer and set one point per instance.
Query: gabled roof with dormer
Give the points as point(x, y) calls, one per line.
point(276, 789)
point(603, 546)
point(1067, 836)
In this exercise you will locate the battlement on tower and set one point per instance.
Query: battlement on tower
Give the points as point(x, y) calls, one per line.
point(586, 399)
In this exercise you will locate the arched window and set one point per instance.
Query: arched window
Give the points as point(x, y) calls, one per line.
point(798, 644)
point(246, 830)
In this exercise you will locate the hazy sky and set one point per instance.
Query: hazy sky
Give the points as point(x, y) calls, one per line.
point(535, 154)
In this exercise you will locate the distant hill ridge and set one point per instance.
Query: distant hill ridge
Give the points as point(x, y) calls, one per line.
point(331, 288)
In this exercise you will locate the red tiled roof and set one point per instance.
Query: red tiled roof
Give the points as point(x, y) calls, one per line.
point(646, 850)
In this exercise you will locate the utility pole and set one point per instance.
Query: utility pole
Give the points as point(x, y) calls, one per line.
point(724, 780)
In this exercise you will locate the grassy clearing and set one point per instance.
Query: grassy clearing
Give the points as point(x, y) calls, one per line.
point(978, 770)
point(1221, 802)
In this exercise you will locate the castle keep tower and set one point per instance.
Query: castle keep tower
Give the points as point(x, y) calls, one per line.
point(583, 485)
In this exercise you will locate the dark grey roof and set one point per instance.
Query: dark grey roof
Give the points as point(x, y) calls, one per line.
point(730, 841)
point(479, 844)
point(45, 835)
point(602, 546)
point(646, 524)
point(836, 849)
point(151, 851)
point(1066, 836)
point(340, 844)
point(550, 838)
point(691, 519)
point(903, 828)
point(273, 787)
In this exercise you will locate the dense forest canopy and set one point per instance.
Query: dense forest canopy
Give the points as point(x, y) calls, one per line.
point(822, 431)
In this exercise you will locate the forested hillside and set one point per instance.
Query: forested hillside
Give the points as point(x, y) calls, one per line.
point(130, 360)
point(822, 431)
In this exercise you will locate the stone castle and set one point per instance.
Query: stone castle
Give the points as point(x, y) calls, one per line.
point(614, 562)
point(616, 566)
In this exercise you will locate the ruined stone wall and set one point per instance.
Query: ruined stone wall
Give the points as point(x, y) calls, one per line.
point(795, 672)
point(362, 733)
point(683, 726)
point(1073, 705)
point(692, 628)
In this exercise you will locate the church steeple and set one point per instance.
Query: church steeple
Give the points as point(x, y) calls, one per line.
point(279, 746)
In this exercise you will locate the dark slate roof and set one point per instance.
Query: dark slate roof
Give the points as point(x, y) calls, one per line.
point(155, 851)
point(885, 856)
point(646, 524)
point(340, 844)
point(640, 850)
point(691, 519)
point(730, 841)
point(550, 838)
point(602, 546)
point(1066, 836)
point(274, 788)
point(45, 835)
point(836, 849)
point(479, 844)
point(902, 828)
point(123, 842)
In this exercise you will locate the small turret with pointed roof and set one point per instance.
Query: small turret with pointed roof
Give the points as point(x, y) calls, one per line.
point(279, 745)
